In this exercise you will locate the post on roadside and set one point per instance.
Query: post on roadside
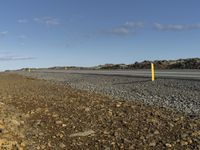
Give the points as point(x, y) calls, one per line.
point(29, 69)
point(152, 72)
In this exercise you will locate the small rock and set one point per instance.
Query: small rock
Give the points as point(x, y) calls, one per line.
point(132, 147)
point(27, 115)
point(105, 132)
point(38, 122)
point(107, 148)
point(64, 125)
point(55, 115)
point(15, 122)
point(118, 104)
point(61, 145)
point(196, 133)
point(184, 136)
point(23, 144)
point(110, 113)
point(2, 103)
point(60, 135)
point(22, 122)
point(85, 133)
point(189, 140)
point(1, 128)
point(42, 146)
point(49, 144)
point(41, 134)
point(156, 132)
point(87, 109)
point(38, 109)
point(59, 122)
point(183, 143)
point(116, 134)
point(152, 144)
point(168, 145)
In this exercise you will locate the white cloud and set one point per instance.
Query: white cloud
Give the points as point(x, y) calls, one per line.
point(176, 27)
point(51, 21)
point(127, 28)
point(22, 36)
point(134, 24)
point(36, 19)
point(22, 21)
point(10, 58)
point(120, 31)
point(3, 33)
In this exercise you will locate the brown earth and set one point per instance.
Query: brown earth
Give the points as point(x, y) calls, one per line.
point(37, 114)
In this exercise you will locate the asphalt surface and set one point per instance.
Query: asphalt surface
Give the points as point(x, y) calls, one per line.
point(175, 74)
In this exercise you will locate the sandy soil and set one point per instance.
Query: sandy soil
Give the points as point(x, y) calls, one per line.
point(37, 114)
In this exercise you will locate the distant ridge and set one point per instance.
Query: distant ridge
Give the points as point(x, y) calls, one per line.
point(189, 63)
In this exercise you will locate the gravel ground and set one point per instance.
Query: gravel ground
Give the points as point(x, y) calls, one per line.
point(181, 95)
point(37, 114)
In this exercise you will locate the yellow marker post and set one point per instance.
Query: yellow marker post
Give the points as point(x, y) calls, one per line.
point(29, 69)
point(152, 72)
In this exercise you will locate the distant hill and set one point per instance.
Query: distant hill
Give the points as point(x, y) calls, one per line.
point(190, 63)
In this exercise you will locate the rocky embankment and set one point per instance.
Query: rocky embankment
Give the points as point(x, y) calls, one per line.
point(48, 115)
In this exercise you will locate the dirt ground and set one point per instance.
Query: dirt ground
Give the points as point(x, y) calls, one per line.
point(38, 114)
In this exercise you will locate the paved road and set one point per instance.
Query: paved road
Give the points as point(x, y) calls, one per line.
point(177, 74)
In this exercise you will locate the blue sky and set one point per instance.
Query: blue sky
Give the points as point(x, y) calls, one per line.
point(44, 33)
